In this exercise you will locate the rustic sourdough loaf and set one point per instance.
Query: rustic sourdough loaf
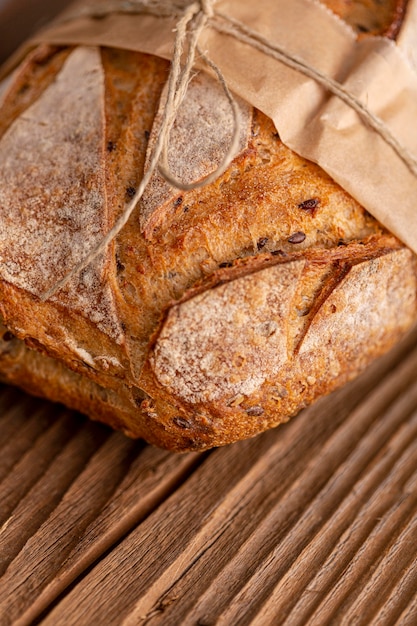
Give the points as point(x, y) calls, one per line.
point(216, 313)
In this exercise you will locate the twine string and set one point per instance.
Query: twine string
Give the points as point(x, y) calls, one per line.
point(193, 19)
point(246, 35)
point(230, 153)
point(177, 86)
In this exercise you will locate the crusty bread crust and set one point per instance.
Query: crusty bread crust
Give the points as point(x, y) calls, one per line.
point(371, 16)
point(216, 313)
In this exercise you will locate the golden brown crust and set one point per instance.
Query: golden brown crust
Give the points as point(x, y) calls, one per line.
point(225, 313)
point(243, 356)
point(371, 16)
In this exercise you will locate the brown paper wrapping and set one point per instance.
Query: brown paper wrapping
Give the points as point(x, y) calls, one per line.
point(312, 122)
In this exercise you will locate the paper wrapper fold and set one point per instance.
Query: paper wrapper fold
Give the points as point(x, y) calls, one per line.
point(311, 121)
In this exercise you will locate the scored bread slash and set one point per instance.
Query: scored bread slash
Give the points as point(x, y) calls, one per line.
point(200, 359)
point(198, 142)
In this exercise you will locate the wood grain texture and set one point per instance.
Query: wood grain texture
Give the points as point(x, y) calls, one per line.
point(314, 522)
point(72, 490)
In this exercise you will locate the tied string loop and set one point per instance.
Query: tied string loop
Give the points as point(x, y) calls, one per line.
point(192, 18)
point(176, 94)
point(163, 166)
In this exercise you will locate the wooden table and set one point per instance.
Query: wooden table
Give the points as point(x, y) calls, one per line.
point(312, 523)
point(21, 18)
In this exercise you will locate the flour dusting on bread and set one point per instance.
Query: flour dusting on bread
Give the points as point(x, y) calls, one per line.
point(53, 206)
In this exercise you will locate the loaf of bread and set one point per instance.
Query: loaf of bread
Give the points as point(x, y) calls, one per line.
point(216, 313)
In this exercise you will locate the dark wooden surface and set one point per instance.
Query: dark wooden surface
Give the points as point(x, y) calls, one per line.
point(21, 18)
point(312, 523)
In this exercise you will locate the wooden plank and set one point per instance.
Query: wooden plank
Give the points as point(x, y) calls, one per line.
point(23, 425)
point(12, 414)
point(351, 534)
point(408, 616)
point(34, 462)
point(74, 492)
point(152, 476)
point(36, 506)
point(404, 594)
point(254, 514)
